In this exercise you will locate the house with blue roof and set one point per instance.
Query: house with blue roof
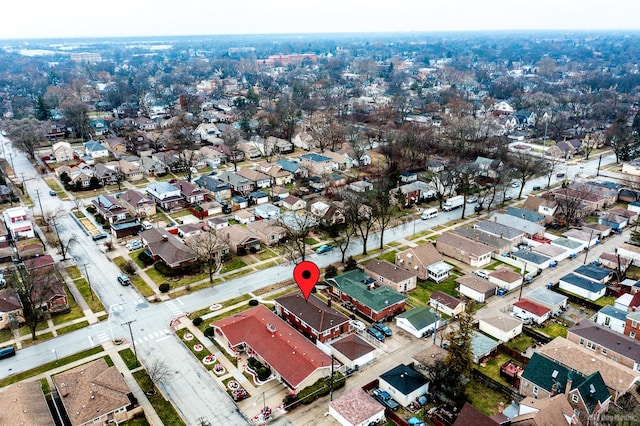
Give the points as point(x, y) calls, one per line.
point(582, 287)
point(482, 346)
point(316, 164)
point(165, 195)
point(612, 317)
point(218, 189)
point(529, 215)
point(532, 259)
point(95, 149)
point(290, 166)
point(594, 273)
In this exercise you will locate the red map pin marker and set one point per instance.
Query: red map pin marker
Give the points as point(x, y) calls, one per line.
point(306, 275)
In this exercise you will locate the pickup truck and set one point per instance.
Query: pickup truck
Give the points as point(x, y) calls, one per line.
point(385, 399)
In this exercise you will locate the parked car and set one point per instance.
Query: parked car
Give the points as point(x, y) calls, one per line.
point(52, 193)
point(376, 333)
point(508, 198)
point(134, 245)
point(472, 200)
point(100, 236)
point(537, 188)
point(515, 184)
point(324, 248)
point(383, 328)
point(357, 325)
point(124, 280)
point(522, 317)
point(482, 274)
point(385, 399)
point(560, 175)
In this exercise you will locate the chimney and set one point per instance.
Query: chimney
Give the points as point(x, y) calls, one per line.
point(329, 302)
point(165, 238)
point(569, 382)
point(500, 407)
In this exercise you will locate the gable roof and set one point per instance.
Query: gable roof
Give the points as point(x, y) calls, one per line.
point(288, 352)
point(165, 245)
point(420, 317)
point(549, 375)
point(425, 253)
point(475, 283)
point(532, 307)
point(9, 300)
point(529, 215)
point(463, 243)
point(388, 270)
point(24, 403)
point(594, 391)
point(312, 311)
point(445, 299)
point(583, 283)
point(404, 379)
point(498, 229)
point(470, 415)
point(607, 338)
point(494, 241)
point(546, 411)
point(354, 284)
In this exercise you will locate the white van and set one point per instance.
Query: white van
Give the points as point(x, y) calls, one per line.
point(146, 225)
point(429, 214)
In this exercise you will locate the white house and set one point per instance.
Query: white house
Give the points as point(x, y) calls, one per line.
point(476, 288)
point(630, 252)
point(550, 299)
point(501, 327)
point(506, 279)
point(95, 149)
point(527, 308)
point(356, 408)
point(404, 384)
point(18, 223)
point(612, 317)
point(62, 152)
point(418, 321)
point(353, 350)
point(582, 287)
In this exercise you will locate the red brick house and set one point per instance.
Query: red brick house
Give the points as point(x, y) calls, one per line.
point(312, 317)
point(47, 290)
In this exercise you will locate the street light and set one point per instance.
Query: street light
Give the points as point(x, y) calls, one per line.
point(55, 353)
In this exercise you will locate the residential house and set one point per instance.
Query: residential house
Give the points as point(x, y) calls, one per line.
point(294, 203)
point(267, 211)
point(171, 160)
point(356, 408)
point(165, 195)
point(79, 176)
point(153, 167)
point(556, 302)
point(476, 288)
point(618, 378)
point(240, 240)
point(107, 176)
point(498, 244)
point(469, 415)
point(326, 214)
point(230, 156)
point(55, 131)
point(555, 410)
point(447, 304)
point(418, 321)
point(404, 384)
point(528, 215)
point(425, 261)
point(543, 378)
point(361, 186)
point(527, 308)
point(280, 146)
point(212, 157)
point(294, 360)
point(95, 149)
point(339, 161)
point(30, 247)
point(278, 175)
point(244, 216)
point(18, 223)
point(408, 177)
point(121, 222)
point(238, 184)
point(292, 167)
point(505, 279)
point(132, 172)
point(545, 206)
point(386, 273)
point(316, 164)
point(627, 251)
point(600, 231)
point(259, 179)
point(464, 249)
point(632, 325)
point(375, 302)
point(167, 248)
point(528, 228)
point(269, 231)
point(10, 308)
point(47, 292)
point(250, 149)
point(605, 341)
point(488, 166)
point(238, 202)
point(312, 317)
point(513, 235)
point(24, 403)
point(258, 197)
point(137, 203)
point(93, 393)
point(62, 152)
point(191, 193)
point(116, 146)
point(218, 189)
point(614, 262)
point(501, 327)
point(590, 399)
point(612, 317)
point(583, 287)
point(409, 195)
point(207, 132)
point(427, 190)
point(218, 223)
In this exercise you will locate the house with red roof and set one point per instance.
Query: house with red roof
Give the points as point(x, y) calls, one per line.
point(260, 333)
point(536, 312)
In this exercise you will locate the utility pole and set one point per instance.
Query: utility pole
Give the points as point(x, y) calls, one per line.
point(331, 381)
point(88, 280)
point(524, 271)
point(24, 185)
point(599, 162)
point(133, 342)
point(39, 202)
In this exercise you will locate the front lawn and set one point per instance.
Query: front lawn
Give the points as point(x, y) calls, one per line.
point(425, 289)
point(389, 256)
point(232, 265)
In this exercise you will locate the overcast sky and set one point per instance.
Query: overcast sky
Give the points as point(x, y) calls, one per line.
point(122, 18)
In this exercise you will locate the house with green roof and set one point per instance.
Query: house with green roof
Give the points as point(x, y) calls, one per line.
point(590, 398)
point(418, 321)
point(543, 378)
point(375, 302)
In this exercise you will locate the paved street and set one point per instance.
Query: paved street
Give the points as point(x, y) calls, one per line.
point(195, 394)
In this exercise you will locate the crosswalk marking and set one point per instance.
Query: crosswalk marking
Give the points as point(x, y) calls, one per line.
point(155, 336)
point(175, 310)
point(102, 337)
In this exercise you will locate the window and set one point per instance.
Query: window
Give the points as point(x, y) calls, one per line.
point(634, 324)
point(581, 342)
point(604, 351)
point(607, 321)
point(632, 334)
point(591, 345)
point(535, 390)
point(574, 398)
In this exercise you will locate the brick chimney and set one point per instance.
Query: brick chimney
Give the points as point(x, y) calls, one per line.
point(567, 388)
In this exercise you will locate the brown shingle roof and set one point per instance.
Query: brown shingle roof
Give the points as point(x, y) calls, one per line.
point(356, 406)
point(478, 284)
point(425, 253)
point(388, 270)
point(313, 311)
point(353, 347)
point(24, 404)
point(91, 390)
point(445, 299)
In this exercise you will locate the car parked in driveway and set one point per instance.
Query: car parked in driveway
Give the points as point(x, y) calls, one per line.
point(383, 328)
point(134, 245)
point(376, 333)
point(357, 325)
point(124, 280)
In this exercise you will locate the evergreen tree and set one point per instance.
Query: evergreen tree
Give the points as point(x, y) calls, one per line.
point(42, 110)
point(460, 358)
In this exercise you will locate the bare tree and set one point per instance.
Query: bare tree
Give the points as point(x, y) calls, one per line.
point(231, 140)
point(61, 244)
point(34, 287)
point(570, 202)
point(157, 370)
point(550, 166)
point(297, 226)
point(358, 213)
point(383, 208)
point(525, 167)
point(342, 236)
point(445, 183)
point(210, 250)
point(26, 135)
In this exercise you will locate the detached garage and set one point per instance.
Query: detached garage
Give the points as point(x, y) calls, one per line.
point(356, 408)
